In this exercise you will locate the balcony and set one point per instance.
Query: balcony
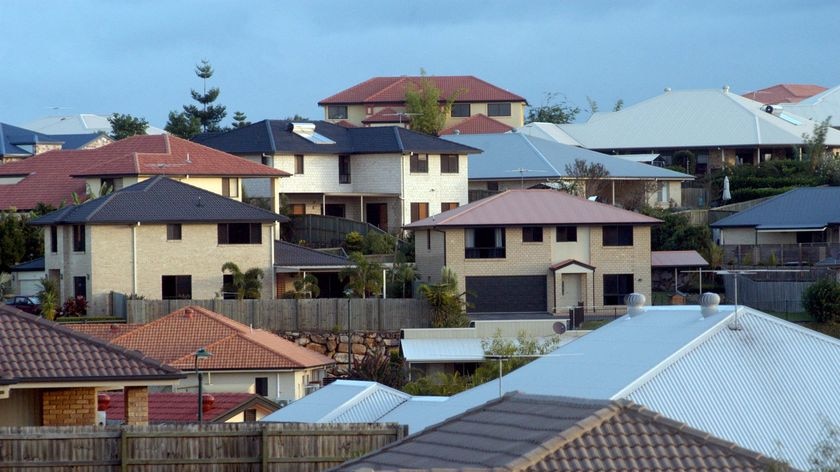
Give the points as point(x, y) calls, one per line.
point(484, 253)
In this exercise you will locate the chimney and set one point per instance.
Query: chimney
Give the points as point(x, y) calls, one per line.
point(635, 304)
point(709, 304)
point(207, 401)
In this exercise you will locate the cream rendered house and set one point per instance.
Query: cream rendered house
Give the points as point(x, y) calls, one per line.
point(160, 239)
point(537, 251)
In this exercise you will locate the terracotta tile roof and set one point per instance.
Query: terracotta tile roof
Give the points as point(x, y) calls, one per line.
point(33, 349)
point(183, 407)
point(106, 331)
point(677, 259)
point(392, 90)
point(784, 93)
point(386, 115)
point(477, 124)
point(533, 207)
point(346, 124)
point(176, 337)
point(568, 262)
point(52, 177)
point(541, 433)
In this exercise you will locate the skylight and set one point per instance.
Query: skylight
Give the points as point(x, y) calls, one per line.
point(307, 132)
point(789, 119)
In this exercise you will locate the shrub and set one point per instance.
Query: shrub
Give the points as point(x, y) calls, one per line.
point(822, 300)
point(74, 307)
point(354, 242)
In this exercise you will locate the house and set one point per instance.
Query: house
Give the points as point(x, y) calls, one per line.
point(718, 369)
point(293, 261)
point(385, 176)
point(26, 276)
point(519, 160)
point(479, 106)
point(719, 127)
point(169, 408)
point(53, 177)
point(243, 359)
point(537, 251)
point(784, 93)
point(20, 143)
point(82, 123)
point(50, 374)
point(159, 238)
point(520, 432)
point(822, 106)
point(673, 269)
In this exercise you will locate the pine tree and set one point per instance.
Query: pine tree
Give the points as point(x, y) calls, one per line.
point(123, 126)
point(240, 120)
point(209, 115)
point(183, 125)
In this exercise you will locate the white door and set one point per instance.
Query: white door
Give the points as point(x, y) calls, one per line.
point(569, 291)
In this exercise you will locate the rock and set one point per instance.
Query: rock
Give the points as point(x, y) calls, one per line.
point(331, 345)
point(341, 358)
point(302, 341)
point(359, 349)
point(317, 348)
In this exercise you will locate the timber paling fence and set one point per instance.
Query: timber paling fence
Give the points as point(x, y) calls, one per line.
point(235, 447)
point(364, 314)
point(767, 295)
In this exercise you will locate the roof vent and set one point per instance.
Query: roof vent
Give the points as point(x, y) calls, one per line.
point(307, 132)
point(725, 89)
point(635, 304)
point(667, 89)
point(709, 304)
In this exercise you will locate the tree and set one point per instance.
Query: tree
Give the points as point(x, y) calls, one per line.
point(685, 160)
point(209, 115)
point(815, 144)
point(515, 353)
point(240, 120)
point(306, 286)
point(12, 240)
point(550, 112)
point(585, 179)
point(364, 277)
point(619, 104)
point(423, 106)
point(676, 233)
point(246, 285)
point(379, 365)
point(448, 305)
point(822, 300)
point(183, 125)
point(123, 126)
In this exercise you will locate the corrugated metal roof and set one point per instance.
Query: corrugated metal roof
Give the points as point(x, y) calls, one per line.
point(442, 350)
point(348, 401)
point(819, 107)
point(677, 259)
point(83, 123)
point(504, 154)
point(549, 131)
point(692, 118)
point(808, 207)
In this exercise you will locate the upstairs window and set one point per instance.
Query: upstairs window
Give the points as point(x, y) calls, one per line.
point(498, 109)
point(460, 110)
point(261, 386)
point(78, 238)
point(566, 234)
point(484, 243)
point(176, 287)
point(53, 239)
point(344, 169)
point(337, 112)
point(298, 163)
point(240, 233)
point(448, 163)
point(419, 210)
point(446, 206)
point(173, 232)
point(618, 235)
point(230, 187)
point(532, 234)
point(419, 163)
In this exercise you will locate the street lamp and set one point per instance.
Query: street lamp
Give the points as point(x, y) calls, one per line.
point(200, 354)
point(348, 292)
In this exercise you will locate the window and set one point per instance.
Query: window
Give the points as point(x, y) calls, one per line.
point(267, 160)
point(663, 193)
point(261, 386)
point(173, 232)
point(460, 110)
point(230, 187)
point(110, 184)
point(80, 286)
point(249, 415)
point(298, 163)
point(176, 287)
point(493, 186)
point(428, 239)
point(532, 234)
point(566, 234)
point(79, 238)
point(335, 209)
point(53, 239)
point(240, 233)
point(618, 235)
point(804, 237)
point(498, 109)
point(419, 163)
point(446, 206)
point(484, 243)
point(337, 112)
point(419, 210)
point(616, 287)
point(297, 208)
point(228, 290)
point(448, 163)
point(344, 169)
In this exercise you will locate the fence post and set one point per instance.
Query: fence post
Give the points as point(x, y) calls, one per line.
point(123, 450)
point(264, 445)
point(380, 320)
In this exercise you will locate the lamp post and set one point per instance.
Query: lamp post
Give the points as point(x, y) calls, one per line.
point(200, 354)
point(348, 292)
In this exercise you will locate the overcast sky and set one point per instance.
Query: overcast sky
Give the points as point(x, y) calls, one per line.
point(273, 59)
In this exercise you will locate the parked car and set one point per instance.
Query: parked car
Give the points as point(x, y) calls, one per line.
point(27, 303)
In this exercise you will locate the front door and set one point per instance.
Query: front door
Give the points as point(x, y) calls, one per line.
point(377, 215)
point(569, 291)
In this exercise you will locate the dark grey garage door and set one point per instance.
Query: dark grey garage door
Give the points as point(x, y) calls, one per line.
point(515, 294)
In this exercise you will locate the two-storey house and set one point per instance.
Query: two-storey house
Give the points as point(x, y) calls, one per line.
point(537, 251)
point(159, 238)
point(386, 176)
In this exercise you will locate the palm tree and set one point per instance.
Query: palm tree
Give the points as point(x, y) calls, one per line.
point(448, 305)
point(363, 277)
point(245, 284)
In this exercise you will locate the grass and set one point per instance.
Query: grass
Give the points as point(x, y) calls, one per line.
point(593, 324)
point(829, 329)
point(792, 317)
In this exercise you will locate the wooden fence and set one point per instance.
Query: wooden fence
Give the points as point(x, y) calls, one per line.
point(780, 296)
point(370, 314)
point(234, 447)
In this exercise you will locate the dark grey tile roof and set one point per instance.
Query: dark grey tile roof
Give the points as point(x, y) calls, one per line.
point(275, 136)
point(33, 349)
point(35, 265)
point(802, 208)
point(159, 200)
point(293, 255)
point(521, 432)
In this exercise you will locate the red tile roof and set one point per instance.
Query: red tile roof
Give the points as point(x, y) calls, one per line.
point(533, 207)
point(784, 93)
point(392, 90)
point(176, 337)
point(53, 176)
point(33, 349)
point(183, 407)
point(677, 259)
point(386, 115)
point(477, 124)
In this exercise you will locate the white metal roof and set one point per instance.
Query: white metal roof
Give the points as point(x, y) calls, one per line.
point(83, 123)
point(819, 107)
point(343, 401)
point(442, 350)
point(549, 131)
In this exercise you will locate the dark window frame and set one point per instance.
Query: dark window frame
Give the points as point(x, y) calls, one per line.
point(446, 206)
point(616, 287)
point(416, 213)
point(449, 163)
point(299, 164)
point(457, 110)
point(344, 171)
point(337, 112)
point(176, 287)
point(239, 233)
point(79, 243)
point(617, 235)
point(54, 239)
point(418, 163)
point(499, 109)
point(173, 232)
point(261, 386)
point(565, 234)
point(532, 234)
point(481, 248)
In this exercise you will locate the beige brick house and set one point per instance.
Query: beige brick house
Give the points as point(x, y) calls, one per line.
point(537, 251)
point(160, 238)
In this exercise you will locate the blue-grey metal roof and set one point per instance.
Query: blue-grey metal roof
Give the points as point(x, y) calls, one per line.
point(159, 200)
point(801, 208)
point(13, 137)
point(442, 350)
point(275, 136)
point(35, 265)
point(293, 255)
point(75, 141)
point(505, 154)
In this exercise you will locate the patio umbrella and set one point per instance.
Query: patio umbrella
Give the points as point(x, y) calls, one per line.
point(726, 194)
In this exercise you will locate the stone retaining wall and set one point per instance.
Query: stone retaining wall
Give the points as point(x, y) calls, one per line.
point(334, 345)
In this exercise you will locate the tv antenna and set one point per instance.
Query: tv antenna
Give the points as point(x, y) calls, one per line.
point(522, 172)
point(401, 114)
point(501, 357)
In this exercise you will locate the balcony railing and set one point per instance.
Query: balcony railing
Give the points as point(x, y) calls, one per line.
point(484, 253)
point(778, 254)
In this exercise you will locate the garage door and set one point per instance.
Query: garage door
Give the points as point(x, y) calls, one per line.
point(515, 294)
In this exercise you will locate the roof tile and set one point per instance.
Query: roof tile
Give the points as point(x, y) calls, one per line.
point(392, 90)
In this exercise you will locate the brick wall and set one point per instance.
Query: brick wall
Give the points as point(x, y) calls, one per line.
point(69, 407)
point(137, 405)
